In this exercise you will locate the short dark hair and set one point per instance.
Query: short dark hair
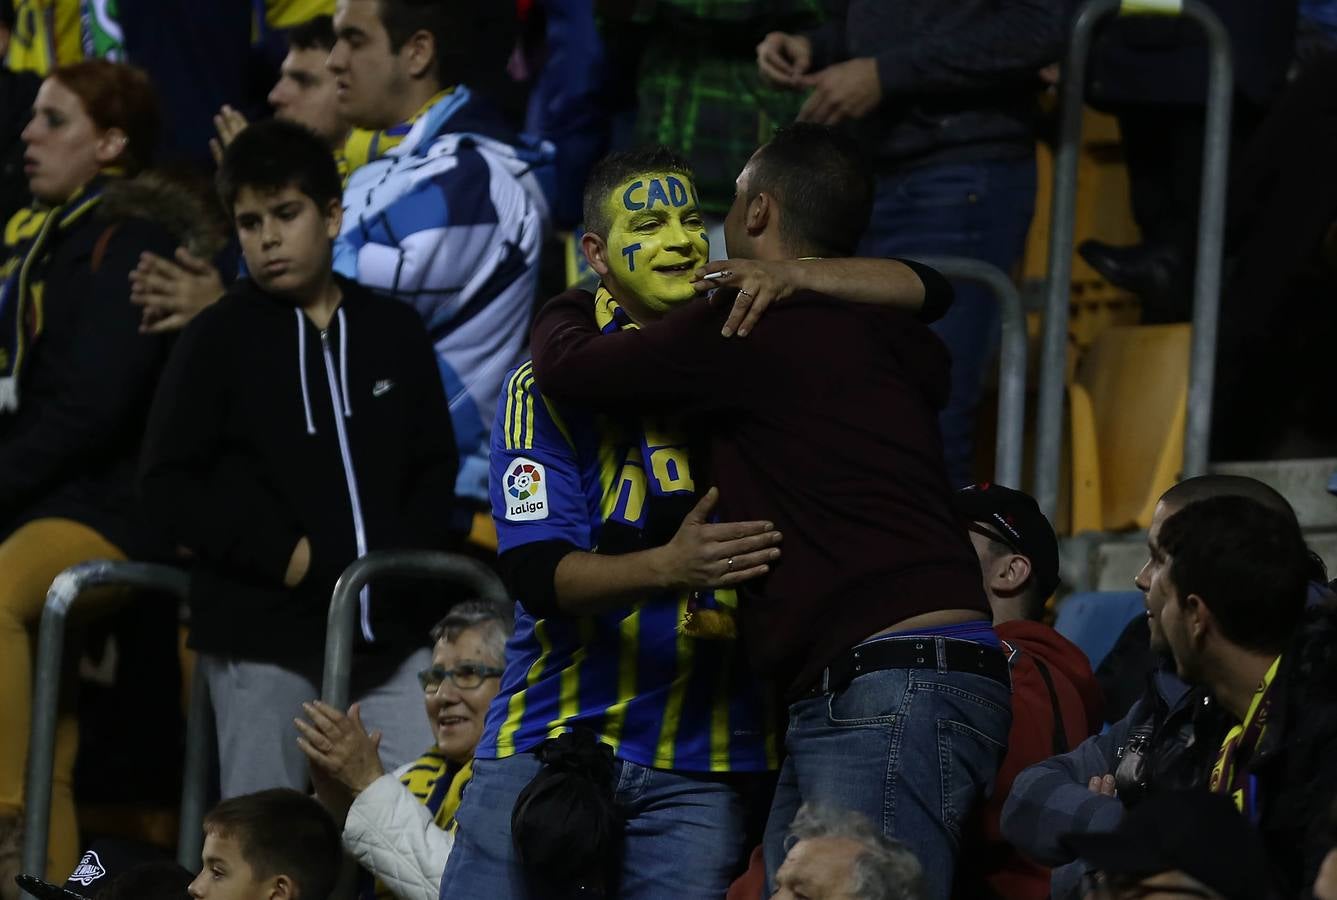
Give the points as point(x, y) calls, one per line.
point(275, 154)
point(823, 182)
point(316, 33)
point(616, 168)
point(1201, 487)
point(1246, 561)
point(282, 832)
point(473, 40)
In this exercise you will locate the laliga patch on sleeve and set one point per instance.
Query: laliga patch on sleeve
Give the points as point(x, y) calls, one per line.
point(526, 487)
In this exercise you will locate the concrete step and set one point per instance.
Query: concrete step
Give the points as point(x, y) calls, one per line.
point(1116, 561)
point(1304, 482)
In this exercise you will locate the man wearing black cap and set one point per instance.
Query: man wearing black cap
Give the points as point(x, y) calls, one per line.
point(1056, 701)
point(1176, 844)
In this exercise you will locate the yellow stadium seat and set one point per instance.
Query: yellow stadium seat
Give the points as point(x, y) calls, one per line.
point(483, 532)
point(1127, 409)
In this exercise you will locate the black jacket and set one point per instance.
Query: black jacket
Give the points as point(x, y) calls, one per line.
point(1296, 759)
point(1163, 59)
point(264, 430)
point(959, 79)
point(70, 449)
point(1295, 762)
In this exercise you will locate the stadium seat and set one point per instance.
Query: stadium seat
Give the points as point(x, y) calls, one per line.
point(1094, 620)
point(1127, 404)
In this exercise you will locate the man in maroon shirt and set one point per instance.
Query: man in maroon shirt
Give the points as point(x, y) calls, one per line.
point(874, 622)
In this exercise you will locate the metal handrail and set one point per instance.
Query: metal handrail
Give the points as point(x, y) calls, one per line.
point(1211, 226)
point(406, 563)
point(65, 591)
point(1008, 446)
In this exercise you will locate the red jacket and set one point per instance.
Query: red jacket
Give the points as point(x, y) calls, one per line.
point(1076, 701)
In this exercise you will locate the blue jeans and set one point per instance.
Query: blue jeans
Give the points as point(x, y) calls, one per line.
point(683, 839)
point(979, 210)
point(914, 750)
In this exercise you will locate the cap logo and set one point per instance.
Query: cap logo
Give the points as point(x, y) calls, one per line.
point(89, 869)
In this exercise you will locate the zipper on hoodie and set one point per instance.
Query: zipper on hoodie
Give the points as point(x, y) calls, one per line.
point(338, 400)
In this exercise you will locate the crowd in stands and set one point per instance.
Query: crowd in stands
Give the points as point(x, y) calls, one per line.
point(624, 301)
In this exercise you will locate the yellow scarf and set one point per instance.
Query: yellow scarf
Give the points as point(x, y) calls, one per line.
point(365, 146)
point(1225, 772)
point(711, 616)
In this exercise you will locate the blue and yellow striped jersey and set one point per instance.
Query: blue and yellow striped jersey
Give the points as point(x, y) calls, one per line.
point(658, 696)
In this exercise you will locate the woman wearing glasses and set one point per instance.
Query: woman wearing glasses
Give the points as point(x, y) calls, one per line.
point(400, 825)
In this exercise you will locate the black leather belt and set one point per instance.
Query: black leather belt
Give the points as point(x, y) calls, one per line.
point(912, 653)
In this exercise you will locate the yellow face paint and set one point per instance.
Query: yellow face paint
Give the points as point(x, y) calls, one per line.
point(657, 238)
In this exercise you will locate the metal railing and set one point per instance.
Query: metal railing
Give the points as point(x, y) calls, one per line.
point(1211, 225)
point(1008, 446)
point(342, 620)
point(65, 590)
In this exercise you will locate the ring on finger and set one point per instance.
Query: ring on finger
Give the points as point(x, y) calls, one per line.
point(728, 563)
point(744, 293)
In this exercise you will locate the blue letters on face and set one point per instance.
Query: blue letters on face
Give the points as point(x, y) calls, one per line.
point(674, 195)
point(630, 253)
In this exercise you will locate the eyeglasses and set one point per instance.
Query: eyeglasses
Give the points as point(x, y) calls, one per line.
point(466, 677)
point(1123, 887)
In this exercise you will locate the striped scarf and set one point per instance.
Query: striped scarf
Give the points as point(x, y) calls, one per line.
point(664, 456)
point(365, 146)
point(27, 239)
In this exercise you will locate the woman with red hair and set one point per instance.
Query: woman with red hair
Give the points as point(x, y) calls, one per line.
point(76, 377)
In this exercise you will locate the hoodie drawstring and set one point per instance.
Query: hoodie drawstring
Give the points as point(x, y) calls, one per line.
point(301, 367)
point(343, 362)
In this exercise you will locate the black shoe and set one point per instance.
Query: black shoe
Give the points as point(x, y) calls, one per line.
point(1150, 271)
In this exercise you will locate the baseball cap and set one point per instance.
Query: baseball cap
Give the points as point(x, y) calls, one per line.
point(109, 861)
point(1014, 518)
point(1198, 833)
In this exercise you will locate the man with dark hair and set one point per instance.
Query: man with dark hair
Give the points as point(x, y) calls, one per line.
point(305, 91)
point(300, 424)
point(271, 845)
point(1056, 701)
point(172, 291)
point(1239, 574)
point(444, 209)
point(876, 610)
point(823, 181)
point(626, 587)
point(1258, 719)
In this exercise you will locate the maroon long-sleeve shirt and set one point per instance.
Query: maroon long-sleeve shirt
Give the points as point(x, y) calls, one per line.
point(824, 421)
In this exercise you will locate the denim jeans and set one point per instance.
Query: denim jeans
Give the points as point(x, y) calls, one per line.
point(683, 838)
point(979, 210)
point(914, 750)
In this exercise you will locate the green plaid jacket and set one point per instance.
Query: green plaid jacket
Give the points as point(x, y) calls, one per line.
point(699, 91)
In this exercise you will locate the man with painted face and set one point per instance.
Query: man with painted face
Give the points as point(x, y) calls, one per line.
point(874, 623)
point(625, 623)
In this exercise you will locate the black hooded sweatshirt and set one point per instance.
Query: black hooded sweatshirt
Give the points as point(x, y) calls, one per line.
point(266, 429)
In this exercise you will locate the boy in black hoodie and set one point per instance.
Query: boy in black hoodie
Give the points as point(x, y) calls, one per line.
point(301, 423)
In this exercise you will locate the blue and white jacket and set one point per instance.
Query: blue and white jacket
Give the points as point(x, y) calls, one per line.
point(451, 221)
